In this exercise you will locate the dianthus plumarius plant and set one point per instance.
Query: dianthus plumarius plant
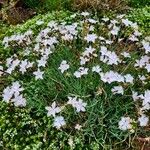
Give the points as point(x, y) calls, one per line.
point(89, 75)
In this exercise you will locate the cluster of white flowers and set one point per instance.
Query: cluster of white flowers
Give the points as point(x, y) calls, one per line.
point(68, 32)
point(59, 121)
point(18, 39)
point(37, 50)
point(125, 122)
point(109, 57)
point(111, 76)
point(87, 55)
point(12, 94)
point(77, 103)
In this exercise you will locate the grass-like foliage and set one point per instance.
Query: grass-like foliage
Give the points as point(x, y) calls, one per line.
point(74, 81)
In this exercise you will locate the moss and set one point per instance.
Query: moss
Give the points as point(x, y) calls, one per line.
point(142, 17)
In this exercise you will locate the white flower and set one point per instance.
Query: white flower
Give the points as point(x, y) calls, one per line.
point(146, 46)
point(77, 103)
point(126, 22)
point(19, 101)
point(147, 67)
point(12, 65)
point(16, 88)
point(88, 51)
point(50, 41)
point(59, 122)
point(108, 42)
point(146, 99)
point(135, 96)
point(111, 77)
point(52, 24)
point(53, 110)
point(134, 25)
point(78, 127)
point(137, 33)
point(105, 19)
point(67, 37)
point(85, 14)
point(102, 39)
point(81, 71)
point(87, 55)
point(72, 101)
point(7, 94)
point(115, 30)
point(71, 29)
point(125, 123)
point(96, 69)
point(91, 38)
point(80, 105)
point(73, 16)
point(42, 62)
point(27, 33)
point(108, 56)
point(39, 22)
point(83, 60)
point(133, 38)
point(117, 90)
point(128, 78)
point(5, 41)
point(92, 21)
point(126, 55)
point(114, 22)
point(70, 142)
point(30, 64)
point(38, 74)
point(23, 66)
point(145, 106)
point(9, 61)
point(120, 16)
point(63, 66)
point(91, 28)
point(142, 78)
point(14, 92)
point(1, 70)
point(77, 74)
point(143, 120)
point(142, 62)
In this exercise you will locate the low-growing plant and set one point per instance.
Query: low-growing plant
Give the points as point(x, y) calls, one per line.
point(57, 4)
point(142, 17)
point(83, 80)
point(139, 3)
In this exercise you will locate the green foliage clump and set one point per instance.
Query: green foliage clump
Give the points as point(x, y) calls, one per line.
point(139, 3)
point(22, 128)
point(48, 5)
point(32, 3)
point(57, 4)
point(142, 17)
point(30, 128)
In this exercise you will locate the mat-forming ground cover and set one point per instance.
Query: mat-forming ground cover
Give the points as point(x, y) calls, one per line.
point(88, 74)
